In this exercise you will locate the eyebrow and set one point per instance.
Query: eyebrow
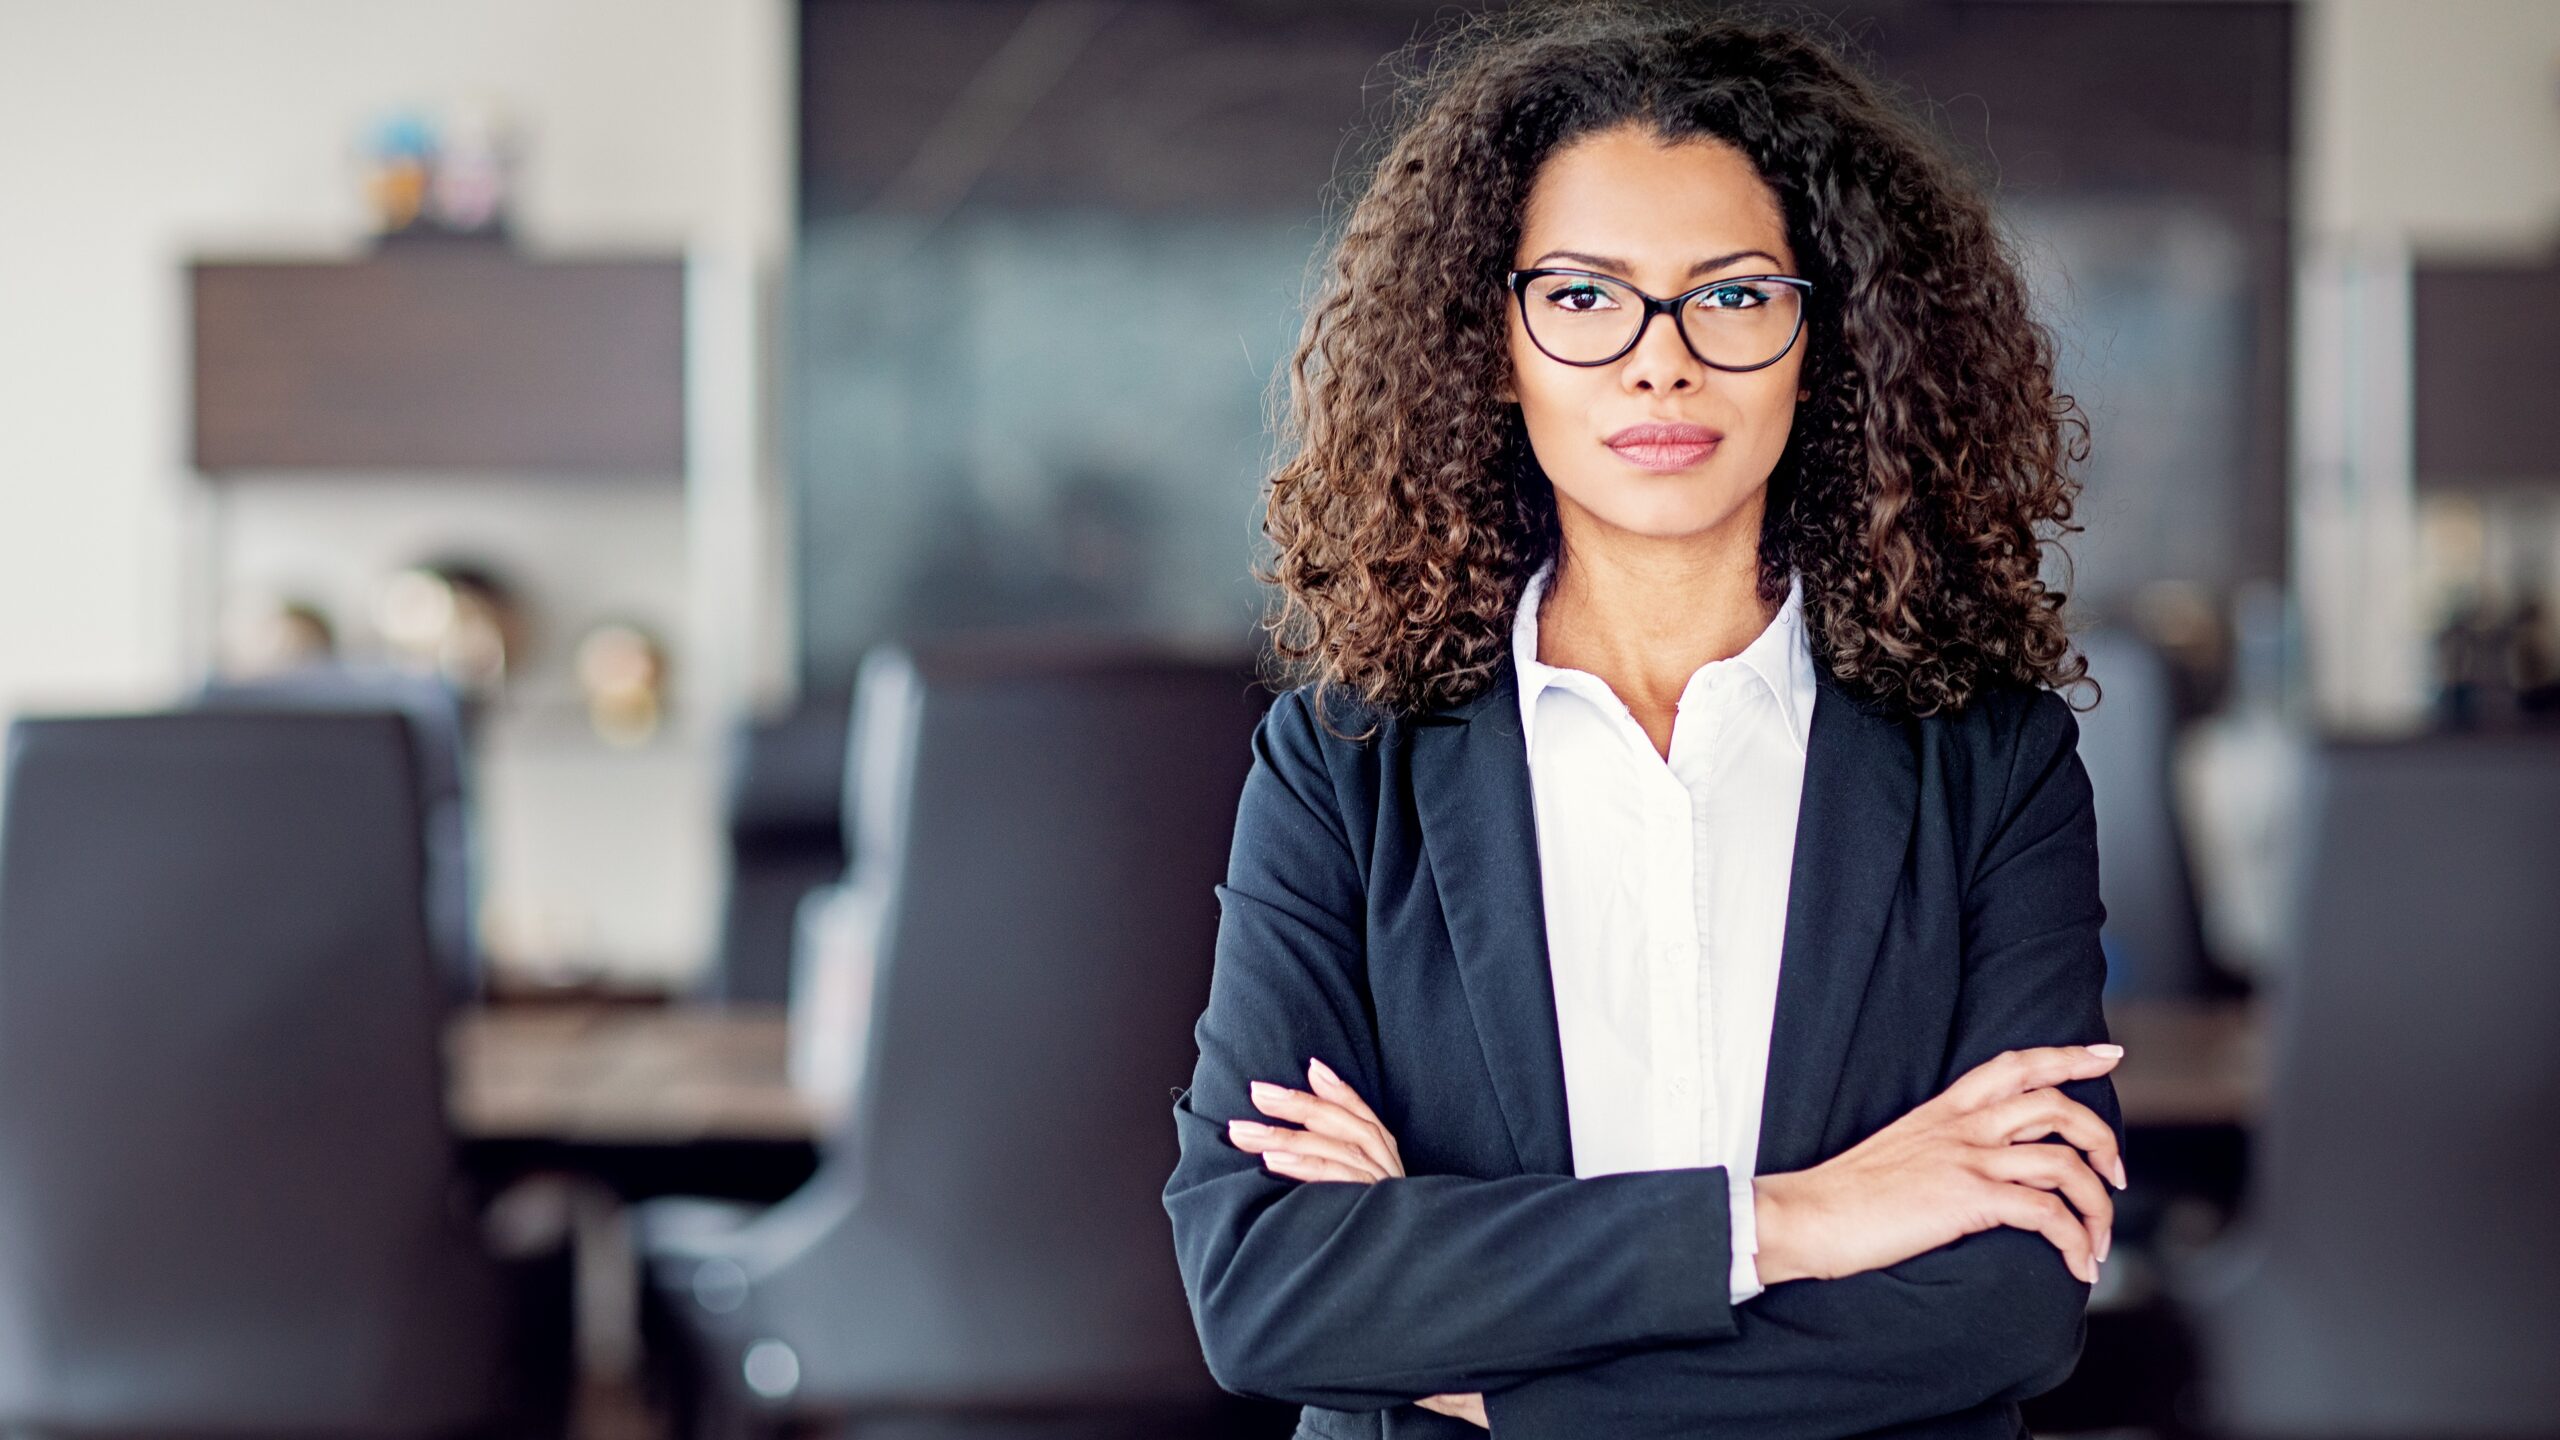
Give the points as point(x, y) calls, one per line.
point(1607, 262)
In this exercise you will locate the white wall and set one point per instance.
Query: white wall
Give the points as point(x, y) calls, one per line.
point(2429, 130)
point(2434, 120)
point(134, 133)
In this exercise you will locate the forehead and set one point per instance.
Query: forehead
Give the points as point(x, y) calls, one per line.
point(1625, 192)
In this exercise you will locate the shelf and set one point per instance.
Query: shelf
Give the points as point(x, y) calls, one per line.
point(447, 357)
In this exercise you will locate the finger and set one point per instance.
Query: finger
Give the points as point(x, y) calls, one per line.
point(2027, 1208)
point(2039, 1113)
point(1325, 1118)
point(2058, 1168)
point(2012, 1071)
point(1261, 1139)
point(1316, 1167)
point(1469, 1408)
point(1333, 1087)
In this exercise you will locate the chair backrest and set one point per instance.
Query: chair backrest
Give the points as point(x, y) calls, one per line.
point(434, 715)
point(1053, 821)
point(2154, 934)
point(786, 838)
point(2397, 1270)
point(228, 1193)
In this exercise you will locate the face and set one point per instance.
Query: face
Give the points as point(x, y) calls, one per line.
point(1664, 217)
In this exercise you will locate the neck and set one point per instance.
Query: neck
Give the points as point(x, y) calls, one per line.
point(1644, 614)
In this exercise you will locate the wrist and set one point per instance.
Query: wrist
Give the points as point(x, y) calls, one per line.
point(1775, 1218)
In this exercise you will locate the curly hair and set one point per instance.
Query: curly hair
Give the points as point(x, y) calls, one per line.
point(1921, 482)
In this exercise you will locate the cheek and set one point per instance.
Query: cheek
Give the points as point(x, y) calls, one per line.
point(1552, 396)
point(1771, 414)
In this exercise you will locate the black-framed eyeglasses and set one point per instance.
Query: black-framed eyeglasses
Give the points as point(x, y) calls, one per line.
point(1582, 317)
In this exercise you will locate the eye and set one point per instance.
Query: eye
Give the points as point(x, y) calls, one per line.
point(1733, 297)
point(1580, 297)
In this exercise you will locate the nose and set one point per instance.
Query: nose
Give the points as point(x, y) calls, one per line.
point(1661, 359)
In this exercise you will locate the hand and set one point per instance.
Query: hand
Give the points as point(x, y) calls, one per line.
point(1469, 1408)
point(1339, 1139)
point(1955, 1165)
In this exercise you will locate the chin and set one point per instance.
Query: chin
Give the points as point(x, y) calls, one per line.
point(1672, 507)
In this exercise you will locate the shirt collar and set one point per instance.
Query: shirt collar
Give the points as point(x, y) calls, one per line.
point(1780, 655)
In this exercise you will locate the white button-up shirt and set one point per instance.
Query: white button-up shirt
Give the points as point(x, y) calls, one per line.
point(1665, 883)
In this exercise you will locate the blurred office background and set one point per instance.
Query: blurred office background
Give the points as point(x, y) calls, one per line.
point(527, 528)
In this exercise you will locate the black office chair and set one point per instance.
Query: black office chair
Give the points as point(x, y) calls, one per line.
point(229, 1200)
point(786, 838)
point(436, 731)
point(978, 1254)
point(2396, 1269)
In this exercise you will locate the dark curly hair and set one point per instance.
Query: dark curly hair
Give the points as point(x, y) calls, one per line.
point(1921, 481)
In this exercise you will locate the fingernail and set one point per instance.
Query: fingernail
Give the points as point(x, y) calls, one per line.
point(2110, 1051)
point(2106, 1243)
point(1265, 1090)
point(2121, 1181)
point(1321, 1070)
point(1247, 1127)
point(1278, 1157)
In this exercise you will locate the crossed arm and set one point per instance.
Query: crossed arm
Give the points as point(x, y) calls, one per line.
point(1599, 1305)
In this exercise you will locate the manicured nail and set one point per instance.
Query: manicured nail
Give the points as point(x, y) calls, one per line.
point(2121, 1181)
point(1247, 1127)
point(1279, 1157)
point(1321, 1070)
point(2110, 1051)
point(1265, 1090)
point(2106, 1242)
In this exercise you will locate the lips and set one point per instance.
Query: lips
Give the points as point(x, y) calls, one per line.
point(1661, 445)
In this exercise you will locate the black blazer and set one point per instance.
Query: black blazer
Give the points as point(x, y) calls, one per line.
point(1382, 912)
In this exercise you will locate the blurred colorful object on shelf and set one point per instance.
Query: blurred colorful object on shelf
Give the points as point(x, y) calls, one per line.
point(452, 619)
point(442, 175)
point(623, 671)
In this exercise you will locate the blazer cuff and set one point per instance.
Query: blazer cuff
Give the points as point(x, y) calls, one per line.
point(1744, 1225)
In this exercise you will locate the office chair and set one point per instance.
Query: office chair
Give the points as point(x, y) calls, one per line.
point(229, 1201)
point(436, 732)
point(786, 838)
point(977, 1254)
point(2395, 1271)
point(2154, 934)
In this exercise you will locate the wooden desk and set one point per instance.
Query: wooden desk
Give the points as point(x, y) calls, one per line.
point(641, 1076)
point(2189, 1063)
point(623, 1075)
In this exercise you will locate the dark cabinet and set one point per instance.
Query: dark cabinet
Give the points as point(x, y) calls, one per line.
point(2485, 368)
point(444, 357)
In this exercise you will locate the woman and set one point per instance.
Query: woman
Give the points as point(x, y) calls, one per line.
point(1660, 943)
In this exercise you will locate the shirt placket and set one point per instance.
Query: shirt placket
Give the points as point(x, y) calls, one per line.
point(1670, 951)
point(1709, 720)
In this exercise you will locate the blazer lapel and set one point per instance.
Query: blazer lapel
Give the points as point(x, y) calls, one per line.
point(1853, 832)
point(1471, 793)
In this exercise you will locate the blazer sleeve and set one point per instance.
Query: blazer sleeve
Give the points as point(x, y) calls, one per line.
point(1996, 1315)
point(1361, 1297)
